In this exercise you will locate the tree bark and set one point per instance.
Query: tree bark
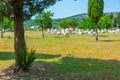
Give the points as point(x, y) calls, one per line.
point(96, 29)
point(19, 40)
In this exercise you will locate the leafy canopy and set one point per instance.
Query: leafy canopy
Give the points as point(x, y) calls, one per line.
point(8, 24)
point(105, 22)
point(86, 24)
point(95, 9)
point(65, 23)
point(30, 7)
point(44, 19)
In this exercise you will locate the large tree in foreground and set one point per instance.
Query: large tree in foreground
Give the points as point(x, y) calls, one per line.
point(95, 11)
point(21, 10)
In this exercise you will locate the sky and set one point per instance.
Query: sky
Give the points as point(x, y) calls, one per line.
point(68, 8)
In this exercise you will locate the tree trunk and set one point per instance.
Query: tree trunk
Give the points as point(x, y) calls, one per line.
point(96, 29)
point(19, 40)
point(42, 32)
point(1, 29)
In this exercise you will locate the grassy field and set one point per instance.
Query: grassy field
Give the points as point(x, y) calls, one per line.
point(73, 57)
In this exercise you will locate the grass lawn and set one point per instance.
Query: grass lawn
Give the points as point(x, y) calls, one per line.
point(73, 57)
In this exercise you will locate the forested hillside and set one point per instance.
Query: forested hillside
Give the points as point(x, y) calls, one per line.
point(78, 17)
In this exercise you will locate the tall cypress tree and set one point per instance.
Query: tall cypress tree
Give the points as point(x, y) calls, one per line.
point(21, 10)
point(95, 11)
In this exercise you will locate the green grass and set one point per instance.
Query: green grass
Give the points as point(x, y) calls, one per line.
point(69, 58)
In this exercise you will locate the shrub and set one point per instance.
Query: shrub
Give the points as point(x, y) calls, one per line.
point(26, 59)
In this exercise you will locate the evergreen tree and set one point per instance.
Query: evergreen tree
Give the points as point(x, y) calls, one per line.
point(22, 10)
point(95, 11)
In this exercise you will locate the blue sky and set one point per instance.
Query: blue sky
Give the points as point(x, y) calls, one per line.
point(67, 8)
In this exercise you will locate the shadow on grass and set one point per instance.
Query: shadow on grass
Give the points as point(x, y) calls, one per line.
point(46, 56)
point(110, 40)
point(6, 55)
point(70, 68)
point(10, 56)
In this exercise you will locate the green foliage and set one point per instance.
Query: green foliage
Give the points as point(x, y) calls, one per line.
point(26, 59)
point(1, 18)
point(73, 23)
point(44, 19)
point(1, 11)
point(8, 24)
point(30, 7)
point(23, 10)
point(55, 27)
point(86, 24)
point(78, 18)
point(81, 26)
point(111, 15)
point(95, 9)
point(117, 19)
point(30, 23)
point(65, 23)
point(105, 22)
point(28, 29)
point(115, 22)
point(11, 25)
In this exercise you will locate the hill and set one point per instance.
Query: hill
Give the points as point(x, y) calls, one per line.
point(78, 17)
point(29, 23)
point(74, 17)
